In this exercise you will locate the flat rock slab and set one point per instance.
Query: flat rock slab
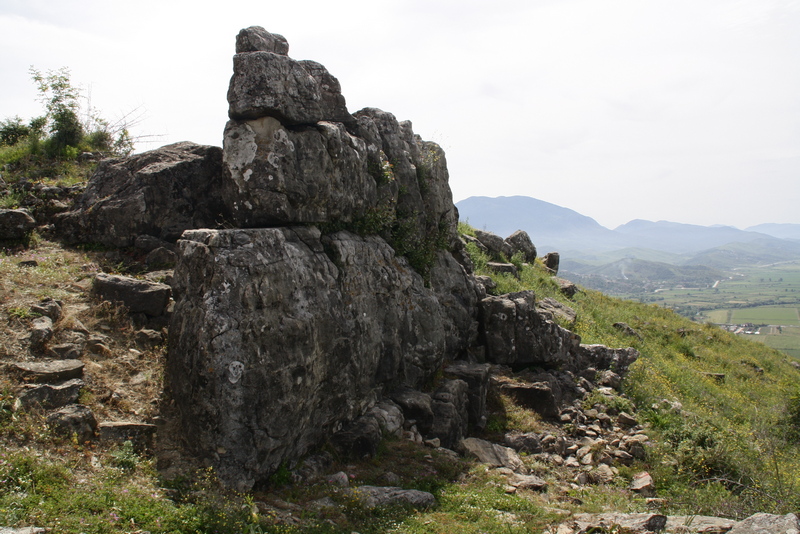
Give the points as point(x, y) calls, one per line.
point(23, 530)
point(139, 296)
point(49, 395)
point(530, 482)
point(49, 372)
point(492, 454)
point(140, 434)
point(768, 524)
point(378, 496)
point(635, 523)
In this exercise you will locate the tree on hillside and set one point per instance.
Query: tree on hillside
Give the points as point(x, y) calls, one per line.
point(68, 134)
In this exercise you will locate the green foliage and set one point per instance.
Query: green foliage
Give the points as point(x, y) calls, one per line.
point(69, 134)
point(125, 457)
point(13, 131)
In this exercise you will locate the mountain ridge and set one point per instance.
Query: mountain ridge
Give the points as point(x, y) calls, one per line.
point(580, 237)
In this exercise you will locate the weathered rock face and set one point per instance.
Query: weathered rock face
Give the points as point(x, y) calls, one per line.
point(517, 334)
point(159, 193)
point(343, 282)
point(280, 334)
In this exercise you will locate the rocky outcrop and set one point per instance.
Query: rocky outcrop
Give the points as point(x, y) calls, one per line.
point(282, 331)
point(517, 334)
point(317, 325)
point(159, 193)
point(15, 224)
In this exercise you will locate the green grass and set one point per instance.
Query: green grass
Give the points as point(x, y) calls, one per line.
point(730, 452)
point(783, 315)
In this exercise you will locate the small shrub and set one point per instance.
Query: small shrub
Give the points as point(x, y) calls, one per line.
point(125, 457)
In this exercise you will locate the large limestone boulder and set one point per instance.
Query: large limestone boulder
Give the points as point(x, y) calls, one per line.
point(279, 335)
point(517, 334)
point(267, 83)
point(158, 193)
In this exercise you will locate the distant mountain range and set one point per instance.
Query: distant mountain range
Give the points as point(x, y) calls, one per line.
point(585, 245)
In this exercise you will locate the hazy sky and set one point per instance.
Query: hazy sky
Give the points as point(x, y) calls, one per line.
point(682, 110)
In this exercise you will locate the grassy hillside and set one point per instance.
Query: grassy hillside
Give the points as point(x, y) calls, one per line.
point(730, 449)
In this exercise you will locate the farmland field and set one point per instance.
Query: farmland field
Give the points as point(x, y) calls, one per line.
point(761, 296)
point(786, 339)
point(766, 315)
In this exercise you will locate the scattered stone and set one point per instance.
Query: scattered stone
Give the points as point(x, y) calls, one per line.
point(602, 474)
point(49, 395)
point(140, 434)
point(556, 309)
point(359, 438)
point(503, 268)
point(67, 351)
point(50, 372)
point(627, 330)
point(15, 224)
point(495, 245)
point(75, 419)
point(551, 261)
point(139, 296)
point(161, 257)
point(626, 420)
point(527, 442)
point(520, 242)
point(717, 377)
point(434, 443)
point(567, 288)
point(378, 496)
point(22, 530)
point(642, 523)
point(609, 378)
point(41, 332)
point(642, 484)
point(492, 454)
point(49, 308)
point(339, 479)
point(529, 482)
point(389, 417)
point(97, 344)
point(28, 263)
point(148, 338)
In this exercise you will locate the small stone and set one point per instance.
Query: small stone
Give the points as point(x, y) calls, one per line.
point(67, 351)
point(603, 474)
point(74, 419)
point(626, 420)
point(339, 479)
point(49, 308)
point(642, 484)
point(148, 338)
point(434, 443)
point(41, 332)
